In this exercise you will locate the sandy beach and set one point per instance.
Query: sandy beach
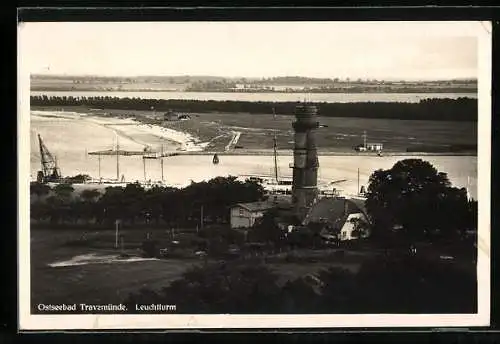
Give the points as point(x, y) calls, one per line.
point(132, 134)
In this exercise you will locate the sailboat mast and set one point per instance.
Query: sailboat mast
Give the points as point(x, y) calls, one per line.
point(358, 182)
point(275, 160)
point(99, 160)
point(117, 160)
point(275, 144)
point(161, 162)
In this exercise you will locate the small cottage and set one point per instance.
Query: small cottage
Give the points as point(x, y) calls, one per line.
point(344, 216)
point(377, 147)
point(244, 215)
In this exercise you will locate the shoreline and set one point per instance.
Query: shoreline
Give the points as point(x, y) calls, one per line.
point(467, 91)
point(269, 152)
point(186, 141)
point(190, 144)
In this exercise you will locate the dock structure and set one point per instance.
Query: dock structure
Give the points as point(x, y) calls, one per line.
point(266, 152)
point(116, 152)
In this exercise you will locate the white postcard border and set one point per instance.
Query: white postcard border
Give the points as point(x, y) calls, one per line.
point(28, 321)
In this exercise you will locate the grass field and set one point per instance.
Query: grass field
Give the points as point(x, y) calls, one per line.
point(112, 282)
point(93, 283)
point(104, 283)
point(339, 135)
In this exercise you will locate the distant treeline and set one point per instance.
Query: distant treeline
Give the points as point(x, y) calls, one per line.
point(461, 109)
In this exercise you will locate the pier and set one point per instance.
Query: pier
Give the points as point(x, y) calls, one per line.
point(269, 152)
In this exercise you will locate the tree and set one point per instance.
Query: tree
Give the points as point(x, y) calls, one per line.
point(64, 190)
point(90, 195)
point(266, 229)
point(39, 189)
point(87, 207)
point(111, 203)
point(416, 198)
point(220, 288)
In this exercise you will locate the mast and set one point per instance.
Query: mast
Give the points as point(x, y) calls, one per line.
point(358, 183)
point(275, 144)
point(275, 160)
point(99, 160)
point(161, 162)
point(364, 139)
point(144, 168)
point(117, 159)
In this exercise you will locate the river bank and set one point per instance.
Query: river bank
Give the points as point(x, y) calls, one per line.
point(71, 138)
point(253, 134)
point(134, 134)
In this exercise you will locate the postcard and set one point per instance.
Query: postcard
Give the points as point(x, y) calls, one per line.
point(218, 175)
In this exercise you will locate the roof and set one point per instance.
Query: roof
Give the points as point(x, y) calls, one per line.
point(360, 204)
point(256, 206)
point(335, 210)
point(328, 209)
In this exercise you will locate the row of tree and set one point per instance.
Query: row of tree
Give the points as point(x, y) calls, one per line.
point(133, 204)
point(411, 200)
point(461, 109)
point(383, 285)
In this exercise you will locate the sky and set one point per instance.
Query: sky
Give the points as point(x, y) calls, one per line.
point(373, 50)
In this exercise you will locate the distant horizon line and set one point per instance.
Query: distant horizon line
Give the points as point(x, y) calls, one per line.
point(252, 77)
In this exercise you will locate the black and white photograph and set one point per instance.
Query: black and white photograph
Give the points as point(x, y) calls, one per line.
point(207, 174)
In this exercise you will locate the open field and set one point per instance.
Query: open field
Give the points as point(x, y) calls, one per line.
point(103, 283)
point(99, 283)
point(340, 134)
point(107, 282)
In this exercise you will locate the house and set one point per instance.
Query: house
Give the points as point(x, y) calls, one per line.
point(341, 215)
point(354, 222)
point(374, 146)
point(244, 215)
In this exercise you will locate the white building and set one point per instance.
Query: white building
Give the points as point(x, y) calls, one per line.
point(352, 221)
point(244, 215)
point(374, 146)
point(343, 215)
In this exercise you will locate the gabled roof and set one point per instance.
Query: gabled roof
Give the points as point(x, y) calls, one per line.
point(330, 210)
point(335, 210)
point(257, 206)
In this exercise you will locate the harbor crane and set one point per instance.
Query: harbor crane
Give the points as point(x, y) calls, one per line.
point(50, 172)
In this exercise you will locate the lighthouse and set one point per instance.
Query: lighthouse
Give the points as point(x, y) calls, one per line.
point(305, 160)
